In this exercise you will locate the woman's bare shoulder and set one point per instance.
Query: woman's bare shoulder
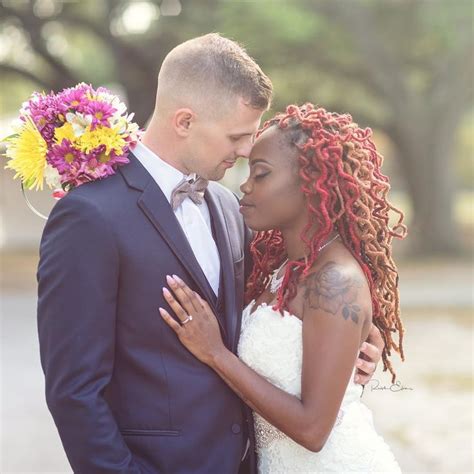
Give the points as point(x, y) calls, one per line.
point(337, 283)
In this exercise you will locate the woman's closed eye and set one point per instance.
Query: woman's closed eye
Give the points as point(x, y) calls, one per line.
point(236, 138)
point(261, 176)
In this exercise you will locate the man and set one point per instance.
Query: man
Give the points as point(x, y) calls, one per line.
point(125, 395)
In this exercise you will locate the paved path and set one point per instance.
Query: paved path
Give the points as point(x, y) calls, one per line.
point(428, 425)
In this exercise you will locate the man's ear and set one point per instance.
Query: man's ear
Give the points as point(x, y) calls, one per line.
point(182, 121)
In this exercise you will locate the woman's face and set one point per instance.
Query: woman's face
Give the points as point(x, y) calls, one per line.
point(272, 193)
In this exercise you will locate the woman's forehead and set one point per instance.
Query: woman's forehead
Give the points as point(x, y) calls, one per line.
point(272, 147)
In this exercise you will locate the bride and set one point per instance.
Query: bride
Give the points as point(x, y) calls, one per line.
point(322, 273)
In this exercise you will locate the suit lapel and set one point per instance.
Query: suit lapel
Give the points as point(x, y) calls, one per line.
point(227, 267)
point(155, 206)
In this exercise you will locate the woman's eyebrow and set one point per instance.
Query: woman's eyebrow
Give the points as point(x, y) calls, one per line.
point(259, 160)
point(240, 135)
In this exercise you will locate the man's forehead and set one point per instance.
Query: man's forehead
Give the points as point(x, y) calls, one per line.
point(245, 118)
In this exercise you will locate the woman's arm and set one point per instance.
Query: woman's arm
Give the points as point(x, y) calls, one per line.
point(331, 338)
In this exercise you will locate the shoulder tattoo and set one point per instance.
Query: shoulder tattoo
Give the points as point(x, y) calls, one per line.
point(331, 290)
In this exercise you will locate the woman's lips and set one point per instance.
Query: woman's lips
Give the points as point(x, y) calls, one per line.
point(245, 207)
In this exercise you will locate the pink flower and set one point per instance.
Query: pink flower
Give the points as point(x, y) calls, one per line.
point(75, 98)
point(46, 112)
point(100, 112)
point(84, 109)
point(64, 157)
point(59, 193)
point(101, 165)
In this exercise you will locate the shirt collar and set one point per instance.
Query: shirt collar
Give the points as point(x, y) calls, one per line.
point(167, 177)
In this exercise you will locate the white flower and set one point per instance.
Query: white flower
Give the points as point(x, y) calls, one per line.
point(133, 128)
point(79, 122)
point(52, 177)
point(120, 106)
point(17, 125)
point(118, 122)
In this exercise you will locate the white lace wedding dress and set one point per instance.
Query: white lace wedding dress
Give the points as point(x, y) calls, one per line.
point(272, 345)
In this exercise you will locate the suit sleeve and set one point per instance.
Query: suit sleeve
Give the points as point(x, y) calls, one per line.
point(77, 297)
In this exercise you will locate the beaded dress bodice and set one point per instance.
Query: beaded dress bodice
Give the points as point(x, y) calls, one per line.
point(272, 345)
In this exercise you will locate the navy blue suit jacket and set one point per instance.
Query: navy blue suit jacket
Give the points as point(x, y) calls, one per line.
point(125, 395)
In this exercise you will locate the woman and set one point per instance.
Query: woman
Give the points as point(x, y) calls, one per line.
point(323, 271)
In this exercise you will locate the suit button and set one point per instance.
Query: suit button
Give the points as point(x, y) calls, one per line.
point(236, 428)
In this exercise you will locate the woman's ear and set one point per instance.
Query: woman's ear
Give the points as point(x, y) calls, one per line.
point(182, 121)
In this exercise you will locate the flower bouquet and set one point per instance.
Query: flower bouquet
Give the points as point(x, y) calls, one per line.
point(73, 137)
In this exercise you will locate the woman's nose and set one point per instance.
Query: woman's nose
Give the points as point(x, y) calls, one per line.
point(245, 187)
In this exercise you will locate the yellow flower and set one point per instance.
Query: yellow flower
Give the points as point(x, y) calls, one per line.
point(27, 153)
point(102, 136)
point(65, 131)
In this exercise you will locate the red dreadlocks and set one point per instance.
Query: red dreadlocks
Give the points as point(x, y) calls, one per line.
point(339, 168)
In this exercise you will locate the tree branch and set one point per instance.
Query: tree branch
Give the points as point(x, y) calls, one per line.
point(32, 25)
point(123, 50)
point(360, 117)
point(11, 69)
point(452, 84)
point(381, 66)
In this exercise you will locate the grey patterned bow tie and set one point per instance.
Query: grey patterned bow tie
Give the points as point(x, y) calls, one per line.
point(193, 190)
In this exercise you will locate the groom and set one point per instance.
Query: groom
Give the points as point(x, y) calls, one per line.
point(125, 395)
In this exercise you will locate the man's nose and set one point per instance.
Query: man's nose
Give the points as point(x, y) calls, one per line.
point(245, 149)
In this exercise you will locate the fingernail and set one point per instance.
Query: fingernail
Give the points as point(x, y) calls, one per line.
point(358, 363)
point(356, 378)
point(176, 277)
point(364, 346)
point(166, 291)
point(170, 280)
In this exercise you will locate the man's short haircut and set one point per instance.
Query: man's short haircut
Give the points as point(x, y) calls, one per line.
point(213, 70)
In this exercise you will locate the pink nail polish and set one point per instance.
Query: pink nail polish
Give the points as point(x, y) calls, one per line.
point(176, 277)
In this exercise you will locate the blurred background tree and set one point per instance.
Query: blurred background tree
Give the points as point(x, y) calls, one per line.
point(402, 67)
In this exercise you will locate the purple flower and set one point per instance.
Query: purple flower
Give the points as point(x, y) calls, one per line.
point(76, 167)
point(101, 165)
point(94, 113)
point(100, 112)
point(75, 98)
point(64, 157)
point(46, 112)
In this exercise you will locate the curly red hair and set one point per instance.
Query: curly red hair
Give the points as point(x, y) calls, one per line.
point(340, 169)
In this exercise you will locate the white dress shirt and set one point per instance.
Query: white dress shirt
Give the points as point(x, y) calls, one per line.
point(194, 219)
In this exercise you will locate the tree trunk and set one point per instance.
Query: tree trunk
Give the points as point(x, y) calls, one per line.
point(426, 157)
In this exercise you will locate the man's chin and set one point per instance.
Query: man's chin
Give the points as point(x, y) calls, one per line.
point(216, 175)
